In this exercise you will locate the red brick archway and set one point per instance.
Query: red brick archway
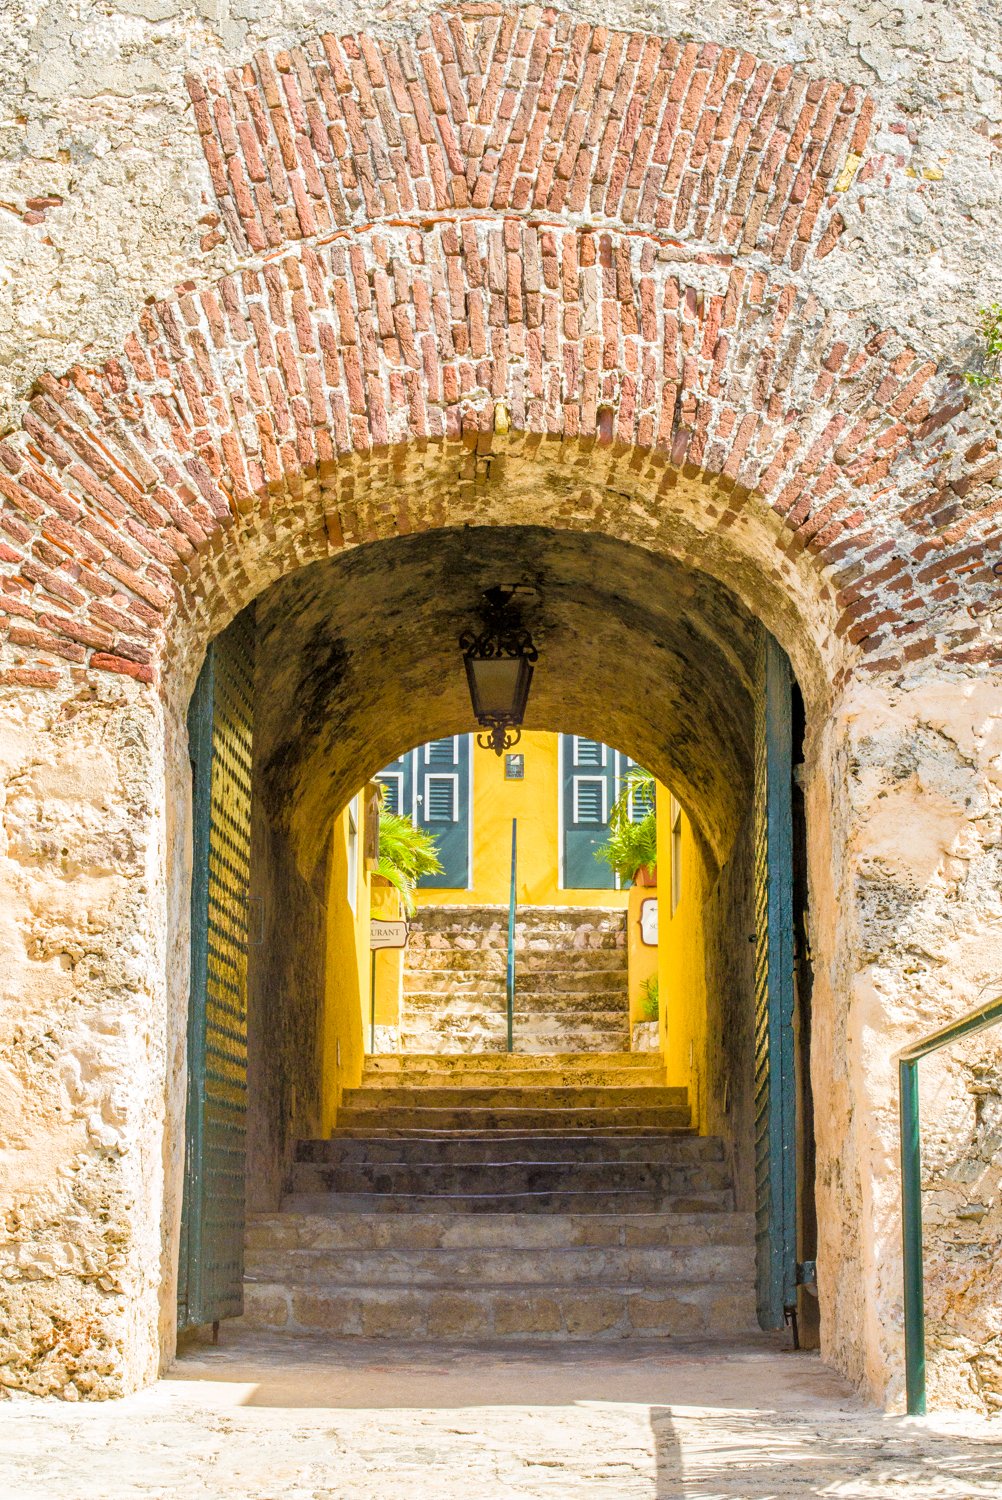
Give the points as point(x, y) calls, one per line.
point(515, 271)
point(512, 230)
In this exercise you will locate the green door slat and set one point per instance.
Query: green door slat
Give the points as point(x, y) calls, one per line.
point(220, 730)
point(775, 1075)
point(588, 782)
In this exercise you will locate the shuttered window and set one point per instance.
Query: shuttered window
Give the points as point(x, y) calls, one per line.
point(441, 798)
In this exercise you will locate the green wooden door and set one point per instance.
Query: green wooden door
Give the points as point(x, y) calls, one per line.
point(442, 792)
point(220, 720)
point(775, 1065)
point(589, 782)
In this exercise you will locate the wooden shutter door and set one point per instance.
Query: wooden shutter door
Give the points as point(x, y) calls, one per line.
point(775, 1076)
point(220, 718)
point(588, 792)
point(443, 807)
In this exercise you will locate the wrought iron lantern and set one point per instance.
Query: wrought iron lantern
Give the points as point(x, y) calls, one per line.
point(499, 660)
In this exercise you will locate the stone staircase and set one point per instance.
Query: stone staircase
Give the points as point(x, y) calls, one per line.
point(492, 1198)
point(571, 990)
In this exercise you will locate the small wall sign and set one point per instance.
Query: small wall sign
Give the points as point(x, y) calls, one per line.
point(649, 922)
point(387, 935)
point(514, 768)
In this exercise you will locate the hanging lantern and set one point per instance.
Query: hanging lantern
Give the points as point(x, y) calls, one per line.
point(499, 660)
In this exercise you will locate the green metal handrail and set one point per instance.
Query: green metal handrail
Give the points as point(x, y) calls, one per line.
point(911, 1190)
point(510, 976)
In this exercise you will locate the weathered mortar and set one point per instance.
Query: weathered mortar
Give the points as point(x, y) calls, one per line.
point(922, 234)
point(904, 776)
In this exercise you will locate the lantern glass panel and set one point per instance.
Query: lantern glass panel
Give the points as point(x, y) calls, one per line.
point(499, 687)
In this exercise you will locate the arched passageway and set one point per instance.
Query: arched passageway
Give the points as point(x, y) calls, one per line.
point(602, 315)
point(353, 660)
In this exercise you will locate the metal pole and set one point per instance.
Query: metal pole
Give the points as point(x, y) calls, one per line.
point(510, 987)
point(372, 1003)
point(911, 1234)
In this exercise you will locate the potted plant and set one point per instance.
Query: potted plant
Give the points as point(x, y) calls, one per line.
point(632, 845)
point(405, 854)
point(632, 850)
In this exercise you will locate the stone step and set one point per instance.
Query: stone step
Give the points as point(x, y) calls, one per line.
point(439, 918)
point(551, 1077)
point(542, 1023)
point(506, 1116)
point(639, 1201)
point(482, 1179)
point(513, 1096)
point(358, 1231)
point(372, 1128)
point(404, 1266)
point(528, 960)
point(470, 982)
point(518, 1149)
point(546, 1045)
point(474, 1004)
point(459, 1312)
point(588, 1061)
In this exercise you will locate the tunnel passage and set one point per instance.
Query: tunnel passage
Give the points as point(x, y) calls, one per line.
point(358, 660)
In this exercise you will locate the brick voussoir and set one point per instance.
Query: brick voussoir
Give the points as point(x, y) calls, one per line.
point(257, 399)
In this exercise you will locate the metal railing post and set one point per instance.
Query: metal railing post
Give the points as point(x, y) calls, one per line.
point(510, 978)
point(911, 1238)
point(911, 1190)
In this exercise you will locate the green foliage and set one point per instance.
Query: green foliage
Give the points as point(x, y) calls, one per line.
point(990, 328)
point(630, 846)
point(637, 789)
point(405, 854)
point(650, 1005)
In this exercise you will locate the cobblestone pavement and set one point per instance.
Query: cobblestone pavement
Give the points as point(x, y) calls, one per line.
point(270, 1418)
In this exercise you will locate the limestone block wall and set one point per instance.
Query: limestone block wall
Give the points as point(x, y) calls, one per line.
point(91, 1040)
point(703, 280)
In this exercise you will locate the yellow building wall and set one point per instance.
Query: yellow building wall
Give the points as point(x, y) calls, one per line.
point(682, 962)
point(346, 998)
point(535, 803)
point(642, 960)
point(386, 906)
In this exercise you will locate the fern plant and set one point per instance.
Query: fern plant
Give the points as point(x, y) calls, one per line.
point(636, 790)
point(405, 854)
point(650, 1004)
point(631, 846)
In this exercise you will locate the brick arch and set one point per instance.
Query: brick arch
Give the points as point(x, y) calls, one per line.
point(513, 251)
point(527, 112)
point(249, 406)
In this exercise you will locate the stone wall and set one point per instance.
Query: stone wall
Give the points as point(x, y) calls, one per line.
point(709, 294)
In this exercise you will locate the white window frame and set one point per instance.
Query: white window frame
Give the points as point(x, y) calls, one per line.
point(352, 845)
point(455, 749)
point(675, 826)
point(576, 782)
point(398, 777)
point(580, 739)
point(453, 778)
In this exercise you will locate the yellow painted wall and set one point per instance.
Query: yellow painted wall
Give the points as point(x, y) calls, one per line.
point(386, 906)
point(346, 999)
point(535, 803)
point(682, 962)
point(642, 960)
